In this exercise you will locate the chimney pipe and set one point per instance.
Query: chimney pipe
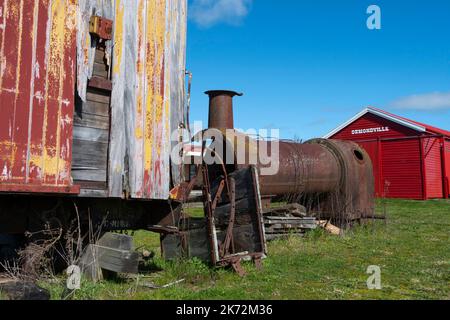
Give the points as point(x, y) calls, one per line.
point(221, 109)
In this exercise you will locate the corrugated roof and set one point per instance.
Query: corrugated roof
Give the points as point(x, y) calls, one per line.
point(415, 125)
point(426, 126)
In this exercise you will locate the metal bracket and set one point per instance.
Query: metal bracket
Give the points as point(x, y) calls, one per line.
point(237, 267)
point(258, 263)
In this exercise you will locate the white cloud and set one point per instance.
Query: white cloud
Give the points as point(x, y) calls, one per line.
point(424, 102)
point(207, 13)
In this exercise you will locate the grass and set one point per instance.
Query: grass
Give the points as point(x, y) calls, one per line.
point(412, 249)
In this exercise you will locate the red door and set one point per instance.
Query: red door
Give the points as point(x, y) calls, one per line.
point(401, 167)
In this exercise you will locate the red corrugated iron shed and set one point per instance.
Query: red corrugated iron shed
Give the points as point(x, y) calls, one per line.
point(411, 159)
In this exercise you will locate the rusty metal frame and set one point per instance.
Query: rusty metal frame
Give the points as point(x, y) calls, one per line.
point(210, 216)
point(222, 256)
point(225, 250)
point(218, 195)
point(259, 209)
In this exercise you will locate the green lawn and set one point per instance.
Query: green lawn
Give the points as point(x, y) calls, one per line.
point(412, 249)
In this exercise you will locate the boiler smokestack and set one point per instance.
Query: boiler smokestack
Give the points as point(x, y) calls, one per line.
point(221, 109)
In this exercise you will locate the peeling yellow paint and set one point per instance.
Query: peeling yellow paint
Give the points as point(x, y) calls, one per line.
point(46, 156)
point(54, 165)
point(8, 152)
point(139, 132)
point(13, 11)
point(59, 40)
point(56, 75)
point(19, 63)
point(2, 47)
point(118, 36)
point(156, 25)
point(150, 58)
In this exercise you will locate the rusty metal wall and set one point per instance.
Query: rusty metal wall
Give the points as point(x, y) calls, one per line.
point(148, 95)
point(37, 67)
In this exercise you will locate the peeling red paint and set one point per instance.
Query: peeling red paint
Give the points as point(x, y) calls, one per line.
point(37, 74)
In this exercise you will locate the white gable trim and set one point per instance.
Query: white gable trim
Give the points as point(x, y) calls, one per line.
point(377, 113)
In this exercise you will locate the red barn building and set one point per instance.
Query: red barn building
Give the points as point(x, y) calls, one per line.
point(410, 159)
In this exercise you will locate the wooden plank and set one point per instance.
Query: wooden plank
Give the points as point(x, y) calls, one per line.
point(242, 206)
point(100, 83)
point(95, 108)
point(92, 185)
point(280, 228)
point(90, 134)
point(246, 238)
point(198, 244)
point(98, 257)
point(99, 55)
point(288, 221)
point(90, 154)
point(132, 104)
point(91, 121)
point(90, 193)
point(100, 70)
point(89, 175)
point(292, 226)
point(294, 209)
point(176, 61)
point(279, 218)
point(171, 247)
point(97, 96)
point(117, 149)
point(116, 241)
point(329, 227)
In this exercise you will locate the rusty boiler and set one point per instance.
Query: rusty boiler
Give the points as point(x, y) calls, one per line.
point(333, 179)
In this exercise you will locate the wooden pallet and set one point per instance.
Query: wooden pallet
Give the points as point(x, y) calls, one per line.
point(277, 227)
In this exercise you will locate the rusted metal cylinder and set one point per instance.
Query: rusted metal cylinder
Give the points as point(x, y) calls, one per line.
point(303, 168)
point(333, 178)
point(221, 108)
point(336, 176)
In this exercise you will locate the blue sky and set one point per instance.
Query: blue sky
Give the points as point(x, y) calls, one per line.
point(305, 67)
